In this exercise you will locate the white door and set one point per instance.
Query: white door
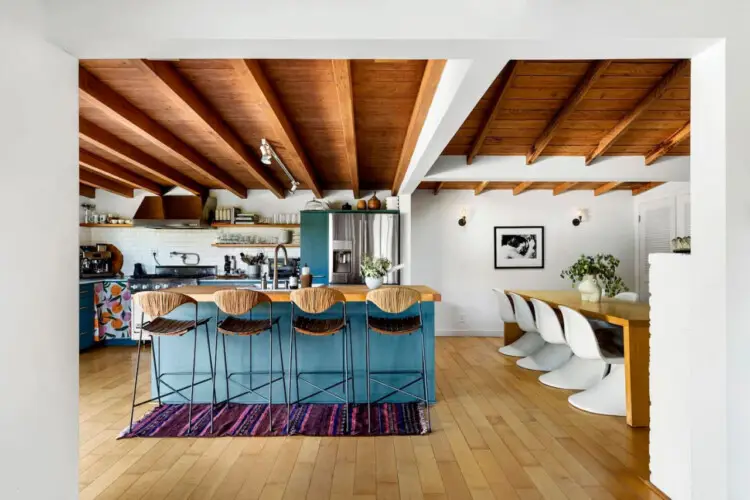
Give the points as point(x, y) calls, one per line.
point(656, 228)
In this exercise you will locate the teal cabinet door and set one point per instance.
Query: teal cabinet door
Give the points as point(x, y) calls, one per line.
point(314, 244)
point(86, 313)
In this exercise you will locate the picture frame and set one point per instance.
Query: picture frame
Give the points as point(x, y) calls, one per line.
point(519, 247)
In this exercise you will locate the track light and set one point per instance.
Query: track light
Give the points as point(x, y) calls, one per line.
point(267, 154)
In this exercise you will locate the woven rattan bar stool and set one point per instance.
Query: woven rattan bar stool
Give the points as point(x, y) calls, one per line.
point(157, 305)
point(235, 304)
point(393, 301)
point(314, 302)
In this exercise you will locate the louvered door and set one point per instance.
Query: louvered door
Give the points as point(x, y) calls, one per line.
point(656, 228)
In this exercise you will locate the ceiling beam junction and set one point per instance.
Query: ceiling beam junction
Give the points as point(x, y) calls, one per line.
point(668, 144)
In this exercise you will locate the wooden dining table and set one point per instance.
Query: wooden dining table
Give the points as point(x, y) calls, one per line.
point(633, 317)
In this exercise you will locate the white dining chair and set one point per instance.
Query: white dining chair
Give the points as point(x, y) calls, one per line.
point(577, 373)
point(530, 341)
point(607, 397)
point(555, 352)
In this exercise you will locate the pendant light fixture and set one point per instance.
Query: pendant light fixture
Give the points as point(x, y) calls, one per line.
point(268, 154)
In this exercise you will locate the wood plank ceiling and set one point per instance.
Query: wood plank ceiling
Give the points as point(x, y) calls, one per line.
point(591, 109)
point(198, 124)
point(353, 124)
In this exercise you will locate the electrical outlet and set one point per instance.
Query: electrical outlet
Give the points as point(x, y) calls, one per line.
point(462, 318)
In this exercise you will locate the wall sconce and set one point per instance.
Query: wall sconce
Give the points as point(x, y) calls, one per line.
point(462, 217)
point(580, 216)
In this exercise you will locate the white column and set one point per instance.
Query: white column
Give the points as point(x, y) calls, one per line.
point(404, 203)
point(38, 251)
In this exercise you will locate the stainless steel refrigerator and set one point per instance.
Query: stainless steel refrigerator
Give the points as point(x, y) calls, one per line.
point(353, 235)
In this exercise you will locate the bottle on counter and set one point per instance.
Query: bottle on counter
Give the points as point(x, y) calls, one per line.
point(293, 280)
point(264, 282)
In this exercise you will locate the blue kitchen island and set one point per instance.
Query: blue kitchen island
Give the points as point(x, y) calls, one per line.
point(388, 353)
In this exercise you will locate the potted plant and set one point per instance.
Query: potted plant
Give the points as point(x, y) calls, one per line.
point(592, 274)
point(374, 270)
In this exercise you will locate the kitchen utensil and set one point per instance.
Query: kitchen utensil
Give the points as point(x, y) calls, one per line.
point(139, 270)
point(306, 281)
point(285, 236)
point(373, 203)
point(346, 206)
point(117, 258)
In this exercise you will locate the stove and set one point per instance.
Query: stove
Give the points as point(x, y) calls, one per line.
point(170, 277)
point(165, 277)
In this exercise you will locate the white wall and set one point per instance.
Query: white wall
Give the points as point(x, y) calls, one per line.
point(38, 283)
point(459, 261)
point(671, 284)
point(136, 244)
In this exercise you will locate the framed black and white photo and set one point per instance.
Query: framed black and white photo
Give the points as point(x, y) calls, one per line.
point(519, 247)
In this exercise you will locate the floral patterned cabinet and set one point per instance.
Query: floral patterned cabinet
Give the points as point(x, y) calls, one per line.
point(113, 300)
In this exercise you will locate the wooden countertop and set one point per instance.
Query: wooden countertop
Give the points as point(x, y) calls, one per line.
point(617, 312)
point(353, 293)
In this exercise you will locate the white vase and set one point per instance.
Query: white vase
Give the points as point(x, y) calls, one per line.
point(373, 283)
point(590, 289)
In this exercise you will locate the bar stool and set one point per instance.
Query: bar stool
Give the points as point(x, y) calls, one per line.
point(395, 300)
point(236, 303)
point(314, 302)
point(157, 305)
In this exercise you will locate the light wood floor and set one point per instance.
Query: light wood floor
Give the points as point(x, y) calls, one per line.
point(498, 433)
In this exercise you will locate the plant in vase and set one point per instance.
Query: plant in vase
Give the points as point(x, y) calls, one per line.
point(374, 270)
point(592, 274)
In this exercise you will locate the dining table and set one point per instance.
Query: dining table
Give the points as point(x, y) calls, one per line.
point(633, 317)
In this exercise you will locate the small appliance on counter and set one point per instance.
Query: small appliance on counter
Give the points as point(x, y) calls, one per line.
point(99, 261)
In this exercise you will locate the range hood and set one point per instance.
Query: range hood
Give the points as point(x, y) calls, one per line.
point(175, 212)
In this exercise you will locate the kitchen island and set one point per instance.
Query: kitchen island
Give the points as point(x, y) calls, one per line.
point(391, 353)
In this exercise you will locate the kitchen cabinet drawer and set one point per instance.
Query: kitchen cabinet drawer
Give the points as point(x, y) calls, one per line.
point(86, 295)
point(85, 340)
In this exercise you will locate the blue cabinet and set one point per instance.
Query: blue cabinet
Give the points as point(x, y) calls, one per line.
point(86, 315)
point(314, 244)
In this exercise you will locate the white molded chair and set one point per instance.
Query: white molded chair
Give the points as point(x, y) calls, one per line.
point(607, 397)
point(530, 341)
point(578, 373)
point(555, 351)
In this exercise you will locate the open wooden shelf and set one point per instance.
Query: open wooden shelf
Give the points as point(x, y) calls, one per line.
point(91, 224)
point(252, 245)
point(277, 226)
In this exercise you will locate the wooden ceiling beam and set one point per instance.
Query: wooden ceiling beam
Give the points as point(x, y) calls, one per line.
point(87, 191)
point(431, 77)
point(645, 187)
point(595, 71)
point(520, 188)
point(342, 77)
point(670, 142)
point(481, 188)
point(654, 94)
point(253, 77)
point(438, 187)
point(120, 109)
point(184, 95)
point(109, 142)
point(606, 188)
point(115, 171)
point(100, 182)
point(506, 76)
point(563, 187)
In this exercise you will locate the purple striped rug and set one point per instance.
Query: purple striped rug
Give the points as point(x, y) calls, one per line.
point(235, 420)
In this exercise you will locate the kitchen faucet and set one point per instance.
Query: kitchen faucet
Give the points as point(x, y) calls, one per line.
point(276, 264)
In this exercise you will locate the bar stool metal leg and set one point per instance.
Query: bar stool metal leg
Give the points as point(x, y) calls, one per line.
point(211, 369)
point(424, 379)
point(367, 377)
point(192, 381)
point(346, 379)
point(226, 365)
point(281, 360)
point(291, 374)
point(156, 370)
point(351, 362)
point(270, 379)
point(135, 383)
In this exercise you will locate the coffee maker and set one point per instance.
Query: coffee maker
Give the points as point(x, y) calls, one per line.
point(95, 261)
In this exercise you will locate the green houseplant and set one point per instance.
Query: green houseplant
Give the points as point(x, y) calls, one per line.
point(592, 273)
point(374, 270)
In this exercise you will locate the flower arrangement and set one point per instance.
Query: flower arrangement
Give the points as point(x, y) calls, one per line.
point(374, 267)
point(602, 267)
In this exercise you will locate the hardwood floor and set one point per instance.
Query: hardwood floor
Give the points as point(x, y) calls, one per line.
point(498, 433)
